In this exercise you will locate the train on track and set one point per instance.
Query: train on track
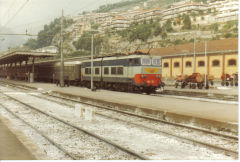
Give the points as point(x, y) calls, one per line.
point(132, 73)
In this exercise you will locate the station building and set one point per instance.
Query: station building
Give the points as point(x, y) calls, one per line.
point(221, 57)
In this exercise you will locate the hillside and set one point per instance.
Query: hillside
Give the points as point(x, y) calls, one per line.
point(144, 4)
point(139, 35)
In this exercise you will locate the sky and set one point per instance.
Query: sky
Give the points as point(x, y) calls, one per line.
point(19, 15)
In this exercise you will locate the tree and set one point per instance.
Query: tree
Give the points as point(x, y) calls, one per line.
point(157, 31)
point(31, 43)
point(186, 22)
point(214, 27)
point(84, 42)
point(95, 26)
point(46, 35)
point(168, 26)
point(164, 35)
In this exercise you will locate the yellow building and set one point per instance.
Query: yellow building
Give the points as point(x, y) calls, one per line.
point(221, 57)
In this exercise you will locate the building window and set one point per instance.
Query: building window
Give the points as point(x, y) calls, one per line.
point(201, 63)
point(97, 71)
point(165, 65)
point(106, 70)
point(176, 64)
point(113, 70)
point(188, 64)
point(232, 62)
point(215, 63)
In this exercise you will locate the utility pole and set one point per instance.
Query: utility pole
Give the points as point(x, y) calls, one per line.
point(92, 64)
point(61, 49)
point(194, 54)
point(206, 64)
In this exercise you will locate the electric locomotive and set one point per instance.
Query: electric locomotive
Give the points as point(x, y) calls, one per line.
point(136, 73)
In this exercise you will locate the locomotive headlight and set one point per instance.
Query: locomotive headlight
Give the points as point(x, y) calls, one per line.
point(143, 76)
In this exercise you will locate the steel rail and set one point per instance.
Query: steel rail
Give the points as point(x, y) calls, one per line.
point(125, 112)
point(129, 151)
point(131, 114)
point(218, 148)
point(39, 132)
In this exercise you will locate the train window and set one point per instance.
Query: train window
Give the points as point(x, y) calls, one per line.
point(176, 64)
point(106, 70)
point(146, 61)
point(87, 70)
point(165, 64)
point(188, 64)
point(97, 71)
point(120, 70)
point(130, 62)
point(201, 63)
point(156, 62)
point(113, 70)
point(136, 61)
point(215, 63)
point(232, 62)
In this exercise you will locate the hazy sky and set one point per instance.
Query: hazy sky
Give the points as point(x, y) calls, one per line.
point(36, 13)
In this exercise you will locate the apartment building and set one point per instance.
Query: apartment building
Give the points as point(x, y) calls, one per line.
point(226, 10)
point(184, 8)
point(147, 15)
point(119, 23)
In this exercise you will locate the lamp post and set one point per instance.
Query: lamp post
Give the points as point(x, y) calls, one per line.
point(194, 54)
point(206, 64)
point(62, 62)
point(92, 87)
point(92, 63)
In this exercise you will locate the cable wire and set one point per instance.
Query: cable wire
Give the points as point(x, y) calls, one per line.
point(18, 11)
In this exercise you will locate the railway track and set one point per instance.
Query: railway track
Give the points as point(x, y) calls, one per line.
point(184, 133)
point(129, 154)
point(209, 97)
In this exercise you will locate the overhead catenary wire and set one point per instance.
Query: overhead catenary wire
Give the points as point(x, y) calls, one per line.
point(18, 11)
point(9, 9)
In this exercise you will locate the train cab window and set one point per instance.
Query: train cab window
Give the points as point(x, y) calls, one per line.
point(146, 61)
point(113, 70)
point(165, 64)
point(97, 71)
point(188, 64)
point(156, 62)
point(176, 64)
point(134, 62)
point(232, 62)
point(201, 63)
point(106, 70)
point(120, 70)
point(215, 63)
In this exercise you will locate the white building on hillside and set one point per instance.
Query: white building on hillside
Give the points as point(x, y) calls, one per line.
point(49, 49)
point(226, 10)
point(175, 11)
point(148, 14)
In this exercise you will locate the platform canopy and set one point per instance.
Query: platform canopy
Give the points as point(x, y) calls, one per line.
point(20, 56)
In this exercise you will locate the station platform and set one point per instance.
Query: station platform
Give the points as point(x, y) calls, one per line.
point(10, 146)
point(165, 106)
